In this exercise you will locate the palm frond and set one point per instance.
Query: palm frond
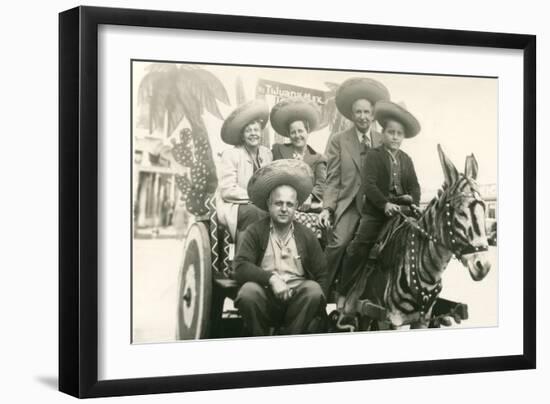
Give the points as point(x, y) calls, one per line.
point(332, 86)
point(175, 92)
point(191, 108)
point(330, 116)
point(213, 84)
point(206, 87)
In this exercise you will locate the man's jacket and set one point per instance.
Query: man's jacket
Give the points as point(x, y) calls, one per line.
point(252, 247)
point(344, 168)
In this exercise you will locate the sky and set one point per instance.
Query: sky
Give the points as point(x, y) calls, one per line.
point(460, 113)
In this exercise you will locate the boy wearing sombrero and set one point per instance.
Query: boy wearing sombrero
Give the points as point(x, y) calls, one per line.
point(390, 183)
point(279, 262)
point(346, 154)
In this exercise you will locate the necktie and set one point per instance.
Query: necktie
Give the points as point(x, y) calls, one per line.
point(366, 141)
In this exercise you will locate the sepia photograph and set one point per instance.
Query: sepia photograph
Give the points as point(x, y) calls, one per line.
point(270, 201)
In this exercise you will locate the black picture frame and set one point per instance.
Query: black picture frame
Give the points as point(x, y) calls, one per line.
point(78, 200)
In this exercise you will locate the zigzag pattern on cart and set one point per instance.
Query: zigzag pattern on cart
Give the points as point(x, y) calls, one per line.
point(226, 264)
point(213, 234)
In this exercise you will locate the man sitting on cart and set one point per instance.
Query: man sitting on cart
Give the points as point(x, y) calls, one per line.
point(279, 262)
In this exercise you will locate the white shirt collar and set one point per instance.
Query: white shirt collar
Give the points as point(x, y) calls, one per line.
point(360, 135)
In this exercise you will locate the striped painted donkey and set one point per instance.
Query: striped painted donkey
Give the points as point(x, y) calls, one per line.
point(407, 280)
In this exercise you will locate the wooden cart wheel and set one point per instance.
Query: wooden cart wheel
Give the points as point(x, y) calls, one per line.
point(195, 285)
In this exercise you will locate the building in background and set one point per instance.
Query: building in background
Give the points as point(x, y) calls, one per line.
point(157, 202)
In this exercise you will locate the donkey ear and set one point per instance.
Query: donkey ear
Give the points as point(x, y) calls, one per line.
point(449, 170)
point(470, 168)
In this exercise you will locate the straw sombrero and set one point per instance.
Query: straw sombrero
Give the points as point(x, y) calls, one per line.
point(385, 110)
point(357, 88)
point(234, 124)
point(294, 109)
point(292, 172)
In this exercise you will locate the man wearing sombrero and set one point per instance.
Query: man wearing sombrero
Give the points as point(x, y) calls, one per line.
point(346, 153)
point(279, 262)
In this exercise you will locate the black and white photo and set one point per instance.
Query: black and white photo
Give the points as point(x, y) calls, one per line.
point(400, 197)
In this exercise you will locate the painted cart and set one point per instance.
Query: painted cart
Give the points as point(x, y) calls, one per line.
point(204, 284)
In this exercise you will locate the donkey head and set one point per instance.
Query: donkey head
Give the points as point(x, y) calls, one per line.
point(463, 216)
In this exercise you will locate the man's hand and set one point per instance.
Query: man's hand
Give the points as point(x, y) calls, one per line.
point(279, 287)
point(391, 209)
point(325, 219)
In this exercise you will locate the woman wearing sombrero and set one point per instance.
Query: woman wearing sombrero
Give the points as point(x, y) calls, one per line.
point(243, 130)
point(295, 118)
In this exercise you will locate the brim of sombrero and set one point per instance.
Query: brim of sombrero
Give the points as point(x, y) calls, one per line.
point(291, 172)
point(234, 124)
point(385, 110)
point(291, 110)
point(357, 88)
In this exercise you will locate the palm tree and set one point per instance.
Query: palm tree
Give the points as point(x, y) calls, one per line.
point(167, 94)
point(239, 91)
point(330, 116)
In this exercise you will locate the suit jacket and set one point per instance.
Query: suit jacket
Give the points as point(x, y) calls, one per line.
point(377, 173)
point(251, 251)
point(344, 171)
point(236, 168)
point(316, 161)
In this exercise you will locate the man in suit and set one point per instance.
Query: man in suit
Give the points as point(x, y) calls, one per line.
point(346, 152)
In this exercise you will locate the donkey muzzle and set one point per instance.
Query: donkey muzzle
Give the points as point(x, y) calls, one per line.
point(478, 264)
